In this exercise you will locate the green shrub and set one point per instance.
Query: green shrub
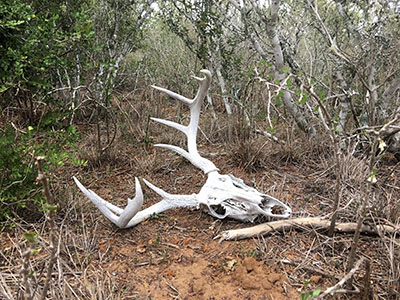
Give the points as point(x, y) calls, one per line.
point(17, 174)
point(18, 190)
point(39, 40)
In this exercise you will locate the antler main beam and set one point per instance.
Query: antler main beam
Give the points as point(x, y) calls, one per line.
point(223, 195)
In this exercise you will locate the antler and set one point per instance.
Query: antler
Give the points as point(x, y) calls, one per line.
point(223, 195)
point(190, 130)
point(131, 216)
point(110, 210)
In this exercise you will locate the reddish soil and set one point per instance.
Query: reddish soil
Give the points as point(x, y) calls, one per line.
point(176, 257)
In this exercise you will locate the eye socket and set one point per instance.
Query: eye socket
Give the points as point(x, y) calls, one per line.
point(219, 209)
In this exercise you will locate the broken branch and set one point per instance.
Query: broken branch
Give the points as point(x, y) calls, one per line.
point(318, 222)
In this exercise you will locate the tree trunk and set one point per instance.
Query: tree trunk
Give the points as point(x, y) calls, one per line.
point(344, 103)
point(386, 99)
point(280, 75)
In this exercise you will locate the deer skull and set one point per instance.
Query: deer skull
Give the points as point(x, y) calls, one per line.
point(222, 195)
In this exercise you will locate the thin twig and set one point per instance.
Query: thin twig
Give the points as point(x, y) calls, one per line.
point(331, 290)
point(308, 268)
point(25, 273)
point(51, 218)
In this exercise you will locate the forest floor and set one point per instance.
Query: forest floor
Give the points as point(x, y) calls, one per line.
point(175, 255)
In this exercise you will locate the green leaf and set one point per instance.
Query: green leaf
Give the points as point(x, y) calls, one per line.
point(305, 296)
point(278, 101)
point(49, 207)
point(36, 251)
point(316, 293)
point(30, 237)
point(303, 99)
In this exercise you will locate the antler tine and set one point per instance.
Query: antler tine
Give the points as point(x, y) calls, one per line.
point(133, 206)
point(110, 210)
point(173, 95)
point(195, 108)
point(202, 92)
point(191, 129)
point(159, 191)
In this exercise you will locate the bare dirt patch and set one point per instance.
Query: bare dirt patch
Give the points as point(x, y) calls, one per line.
point(180, 260)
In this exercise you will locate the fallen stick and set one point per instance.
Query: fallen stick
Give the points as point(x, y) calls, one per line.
point(314, 222)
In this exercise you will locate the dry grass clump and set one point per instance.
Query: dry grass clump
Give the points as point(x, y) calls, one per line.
point(257, 152)
point(73, 253)
point(252, 155)
point(94, 158)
